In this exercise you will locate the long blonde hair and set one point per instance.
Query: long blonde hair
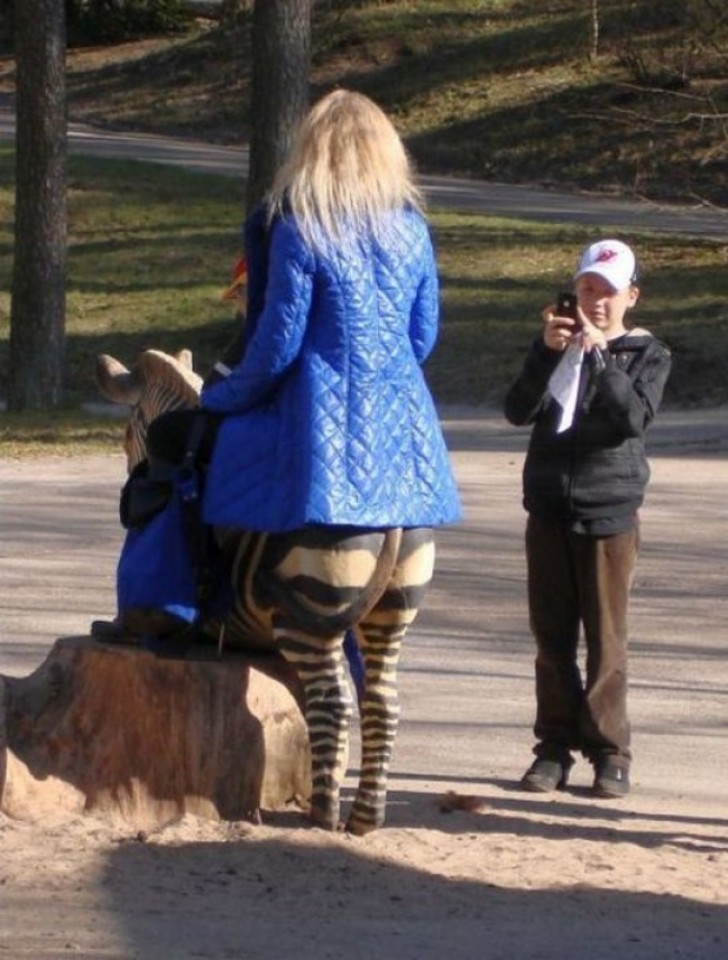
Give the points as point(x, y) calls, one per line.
point(347, 169)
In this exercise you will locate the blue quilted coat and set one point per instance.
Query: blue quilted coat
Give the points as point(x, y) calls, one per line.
point(329, 417)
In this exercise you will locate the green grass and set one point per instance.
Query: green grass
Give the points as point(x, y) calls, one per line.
point(497, 275)
point(151, 249)
point(60, 433)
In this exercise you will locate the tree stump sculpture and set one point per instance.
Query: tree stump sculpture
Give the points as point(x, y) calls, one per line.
point(121, 732)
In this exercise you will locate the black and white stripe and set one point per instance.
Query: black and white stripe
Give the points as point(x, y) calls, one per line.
point(299, 593)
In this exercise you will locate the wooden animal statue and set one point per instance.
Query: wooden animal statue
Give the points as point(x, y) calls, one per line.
point(299, 593)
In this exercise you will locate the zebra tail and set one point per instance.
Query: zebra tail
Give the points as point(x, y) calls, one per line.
point(332, 624)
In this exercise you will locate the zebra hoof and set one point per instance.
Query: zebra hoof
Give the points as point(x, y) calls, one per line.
point(360, 828)
point(326, 821)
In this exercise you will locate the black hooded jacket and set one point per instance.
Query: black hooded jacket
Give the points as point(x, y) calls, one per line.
point(593, 475)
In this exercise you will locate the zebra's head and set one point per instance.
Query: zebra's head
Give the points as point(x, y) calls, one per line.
point(157, 382)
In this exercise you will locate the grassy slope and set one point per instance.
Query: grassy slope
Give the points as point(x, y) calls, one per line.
point(501, 90)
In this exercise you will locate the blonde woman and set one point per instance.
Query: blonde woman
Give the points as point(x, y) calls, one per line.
point(328, 443)
point(327, 419)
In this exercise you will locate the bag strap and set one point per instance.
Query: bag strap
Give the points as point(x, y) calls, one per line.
point(194, 439)
point(197, 533)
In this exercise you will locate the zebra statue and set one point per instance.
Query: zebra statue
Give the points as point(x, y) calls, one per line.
point(299, 594)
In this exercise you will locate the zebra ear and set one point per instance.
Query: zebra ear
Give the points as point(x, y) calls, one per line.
point(185, 358)
point(115, 382)
point(157, 367)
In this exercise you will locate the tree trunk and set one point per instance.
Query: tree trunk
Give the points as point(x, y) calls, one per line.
point(593, 29)
point(281, 42)
point(120, 732)
point(37, 325)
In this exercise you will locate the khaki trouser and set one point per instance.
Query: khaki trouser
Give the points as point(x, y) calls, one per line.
point(573, 580)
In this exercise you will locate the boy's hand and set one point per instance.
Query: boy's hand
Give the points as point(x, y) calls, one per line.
point(559, 332)
point(592, 337)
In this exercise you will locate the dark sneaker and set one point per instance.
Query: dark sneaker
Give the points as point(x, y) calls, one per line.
point(106, 629)
point(112, 631)
point(543, 776)
point(611, 781)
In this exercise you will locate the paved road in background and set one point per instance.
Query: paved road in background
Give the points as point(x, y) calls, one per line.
point(473, 196)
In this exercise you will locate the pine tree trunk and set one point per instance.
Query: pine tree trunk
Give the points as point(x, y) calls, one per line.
point(281, 42)
point(37, 325)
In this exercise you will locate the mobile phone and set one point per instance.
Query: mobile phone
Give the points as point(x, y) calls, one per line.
point(566, 306)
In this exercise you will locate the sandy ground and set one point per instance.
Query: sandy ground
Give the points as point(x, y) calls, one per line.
point(524, 876)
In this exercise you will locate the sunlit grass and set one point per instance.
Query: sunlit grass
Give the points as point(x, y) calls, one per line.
point(497, 275)
point(61, 433)
point(503, 90)
point(151, 248)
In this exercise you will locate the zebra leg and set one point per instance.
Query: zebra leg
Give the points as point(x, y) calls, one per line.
point(328, 707)
point(380, 635)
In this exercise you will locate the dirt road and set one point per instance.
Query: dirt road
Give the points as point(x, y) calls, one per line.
point(526, 877)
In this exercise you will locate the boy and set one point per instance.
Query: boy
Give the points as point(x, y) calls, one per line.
point(589, 387)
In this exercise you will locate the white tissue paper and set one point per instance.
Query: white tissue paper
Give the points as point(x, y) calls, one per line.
point(564, 384)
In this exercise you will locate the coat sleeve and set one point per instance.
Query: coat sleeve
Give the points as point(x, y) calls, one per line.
point(425, 313)
point(526, 395)
point(279, 331)
point(632, 397)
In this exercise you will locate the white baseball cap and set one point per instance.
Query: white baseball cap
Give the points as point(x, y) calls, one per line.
point(610, 259)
